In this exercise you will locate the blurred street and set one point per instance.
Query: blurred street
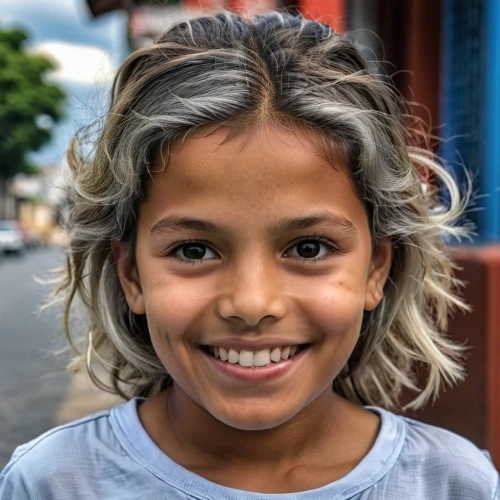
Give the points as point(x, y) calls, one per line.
point(32, 380)
point(35, 392)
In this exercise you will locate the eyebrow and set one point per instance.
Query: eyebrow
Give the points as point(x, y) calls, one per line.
point(285, 224)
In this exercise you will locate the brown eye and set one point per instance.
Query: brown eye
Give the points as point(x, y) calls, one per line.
point(312, 250)
point(194, 252)
point(308, 249)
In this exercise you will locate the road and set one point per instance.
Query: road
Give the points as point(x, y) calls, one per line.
point(36, 393)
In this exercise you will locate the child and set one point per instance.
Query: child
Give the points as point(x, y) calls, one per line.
point(249, 229)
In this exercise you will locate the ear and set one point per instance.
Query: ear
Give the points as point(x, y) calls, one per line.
point(379, 271)
point(129, 277)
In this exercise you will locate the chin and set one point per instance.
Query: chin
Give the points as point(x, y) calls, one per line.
point(255, 420)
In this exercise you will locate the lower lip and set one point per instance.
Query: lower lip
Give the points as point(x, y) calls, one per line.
point(271, 371)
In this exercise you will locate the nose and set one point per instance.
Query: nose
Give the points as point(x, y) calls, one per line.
point(252, 291)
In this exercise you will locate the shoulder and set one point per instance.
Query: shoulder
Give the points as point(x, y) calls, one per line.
point(57, 443)
point(58, 453)
point(450, 462)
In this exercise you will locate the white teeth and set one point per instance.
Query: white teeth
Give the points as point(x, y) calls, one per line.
point(262, 358)
point(223, 353)
point(250, 359)
point(276, 354)
point(246, 358)
point(233, 356)
point(285, 352)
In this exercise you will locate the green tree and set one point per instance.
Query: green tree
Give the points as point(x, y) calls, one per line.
point(28, 104)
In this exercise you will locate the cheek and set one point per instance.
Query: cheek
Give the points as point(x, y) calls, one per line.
point(173, 304)
point(336, 312)
point(335, 307)
point(173, 307)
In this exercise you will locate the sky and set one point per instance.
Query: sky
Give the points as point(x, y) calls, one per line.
point(87, 52)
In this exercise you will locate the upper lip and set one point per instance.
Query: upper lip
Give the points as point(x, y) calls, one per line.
point(239, 345)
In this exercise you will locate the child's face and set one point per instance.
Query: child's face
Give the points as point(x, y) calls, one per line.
point(258, 287)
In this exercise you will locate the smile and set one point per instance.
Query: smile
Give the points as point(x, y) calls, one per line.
point(255, 359)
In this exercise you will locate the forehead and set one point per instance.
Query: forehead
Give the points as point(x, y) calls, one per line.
point(260, 171)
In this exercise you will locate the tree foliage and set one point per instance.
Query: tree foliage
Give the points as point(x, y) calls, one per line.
point(28, 104)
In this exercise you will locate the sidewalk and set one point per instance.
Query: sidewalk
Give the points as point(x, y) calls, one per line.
point(83, 398)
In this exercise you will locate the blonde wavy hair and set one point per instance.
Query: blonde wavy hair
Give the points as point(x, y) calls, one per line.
point(224, 69)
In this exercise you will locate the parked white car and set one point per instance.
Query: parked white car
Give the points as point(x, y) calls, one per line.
point(11, 236)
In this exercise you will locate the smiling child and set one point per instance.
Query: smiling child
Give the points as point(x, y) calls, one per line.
point(262, 270)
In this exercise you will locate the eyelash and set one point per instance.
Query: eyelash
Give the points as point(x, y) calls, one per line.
point(332, 251)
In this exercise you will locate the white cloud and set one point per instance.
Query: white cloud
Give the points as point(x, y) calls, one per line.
point(77, 63)
point(63, 7)
point(60, 4)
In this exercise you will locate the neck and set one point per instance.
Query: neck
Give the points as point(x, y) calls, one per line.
point(193, 437)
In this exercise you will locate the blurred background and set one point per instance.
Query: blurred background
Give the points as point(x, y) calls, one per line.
point(57, 61)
